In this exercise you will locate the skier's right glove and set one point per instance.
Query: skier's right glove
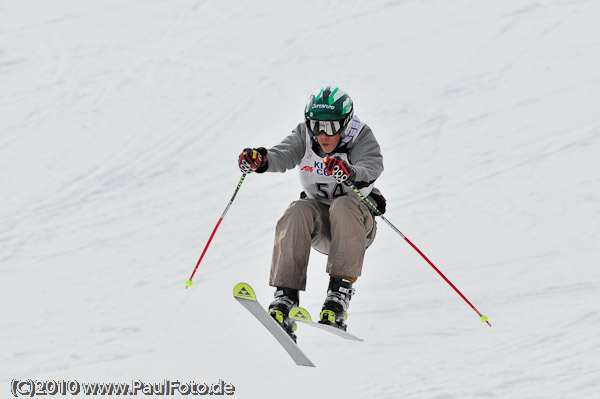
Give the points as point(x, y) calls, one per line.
point(253, 160)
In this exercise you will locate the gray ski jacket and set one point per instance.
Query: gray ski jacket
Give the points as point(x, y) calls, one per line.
point(364, 155)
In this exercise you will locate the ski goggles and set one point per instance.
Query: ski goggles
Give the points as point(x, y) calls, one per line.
point(329, 128)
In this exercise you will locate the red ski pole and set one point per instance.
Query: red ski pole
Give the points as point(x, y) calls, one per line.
point(483, 318)
point(188, 282)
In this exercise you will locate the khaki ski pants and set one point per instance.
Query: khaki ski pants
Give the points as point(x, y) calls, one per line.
point(343, 231)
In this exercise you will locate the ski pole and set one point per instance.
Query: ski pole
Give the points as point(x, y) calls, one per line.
point(484, 319)
point(189, 283)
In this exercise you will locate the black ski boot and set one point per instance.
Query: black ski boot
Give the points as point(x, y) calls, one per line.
point(336, 304)
point(285, 300)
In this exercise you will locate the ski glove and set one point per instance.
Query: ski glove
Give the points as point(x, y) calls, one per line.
point(338, 168)
point(252, 160)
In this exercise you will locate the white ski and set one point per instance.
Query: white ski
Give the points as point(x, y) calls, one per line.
point(300, 314)
point(245, 295)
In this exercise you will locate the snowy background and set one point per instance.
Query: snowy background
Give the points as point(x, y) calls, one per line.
point(120, 126)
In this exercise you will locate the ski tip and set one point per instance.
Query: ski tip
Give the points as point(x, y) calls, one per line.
point(188, 283)
point(300, 314)
point(244, 291)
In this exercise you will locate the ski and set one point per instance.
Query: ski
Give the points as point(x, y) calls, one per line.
point(246, 296)
point(302, 315)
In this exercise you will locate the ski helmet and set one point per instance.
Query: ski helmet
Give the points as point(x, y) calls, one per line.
point(329, 111)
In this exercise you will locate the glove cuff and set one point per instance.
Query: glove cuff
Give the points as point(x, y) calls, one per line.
point(265, 162)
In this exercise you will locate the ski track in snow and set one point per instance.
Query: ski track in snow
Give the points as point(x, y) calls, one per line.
point(120, 125)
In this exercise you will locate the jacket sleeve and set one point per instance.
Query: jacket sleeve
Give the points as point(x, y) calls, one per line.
point(288, 154)
point(365, 158)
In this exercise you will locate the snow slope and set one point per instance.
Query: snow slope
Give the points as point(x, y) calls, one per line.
point(120, 125)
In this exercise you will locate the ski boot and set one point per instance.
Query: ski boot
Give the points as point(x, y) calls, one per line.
point(336, 304)
point(285, 300)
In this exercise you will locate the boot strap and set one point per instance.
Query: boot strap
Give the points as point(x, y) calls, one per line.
point(337, 299)
point(348, 291)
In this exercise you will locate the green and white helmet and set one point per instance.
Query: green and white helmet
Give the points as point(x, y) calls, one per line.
point(329, 111)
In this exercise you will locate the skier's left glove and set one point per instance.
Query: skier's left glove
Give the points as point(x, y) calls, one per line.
point(253, 160)
point(338, 168)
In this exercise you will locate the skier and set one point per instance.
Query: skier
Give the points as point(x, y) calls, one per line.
point(330, 148)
